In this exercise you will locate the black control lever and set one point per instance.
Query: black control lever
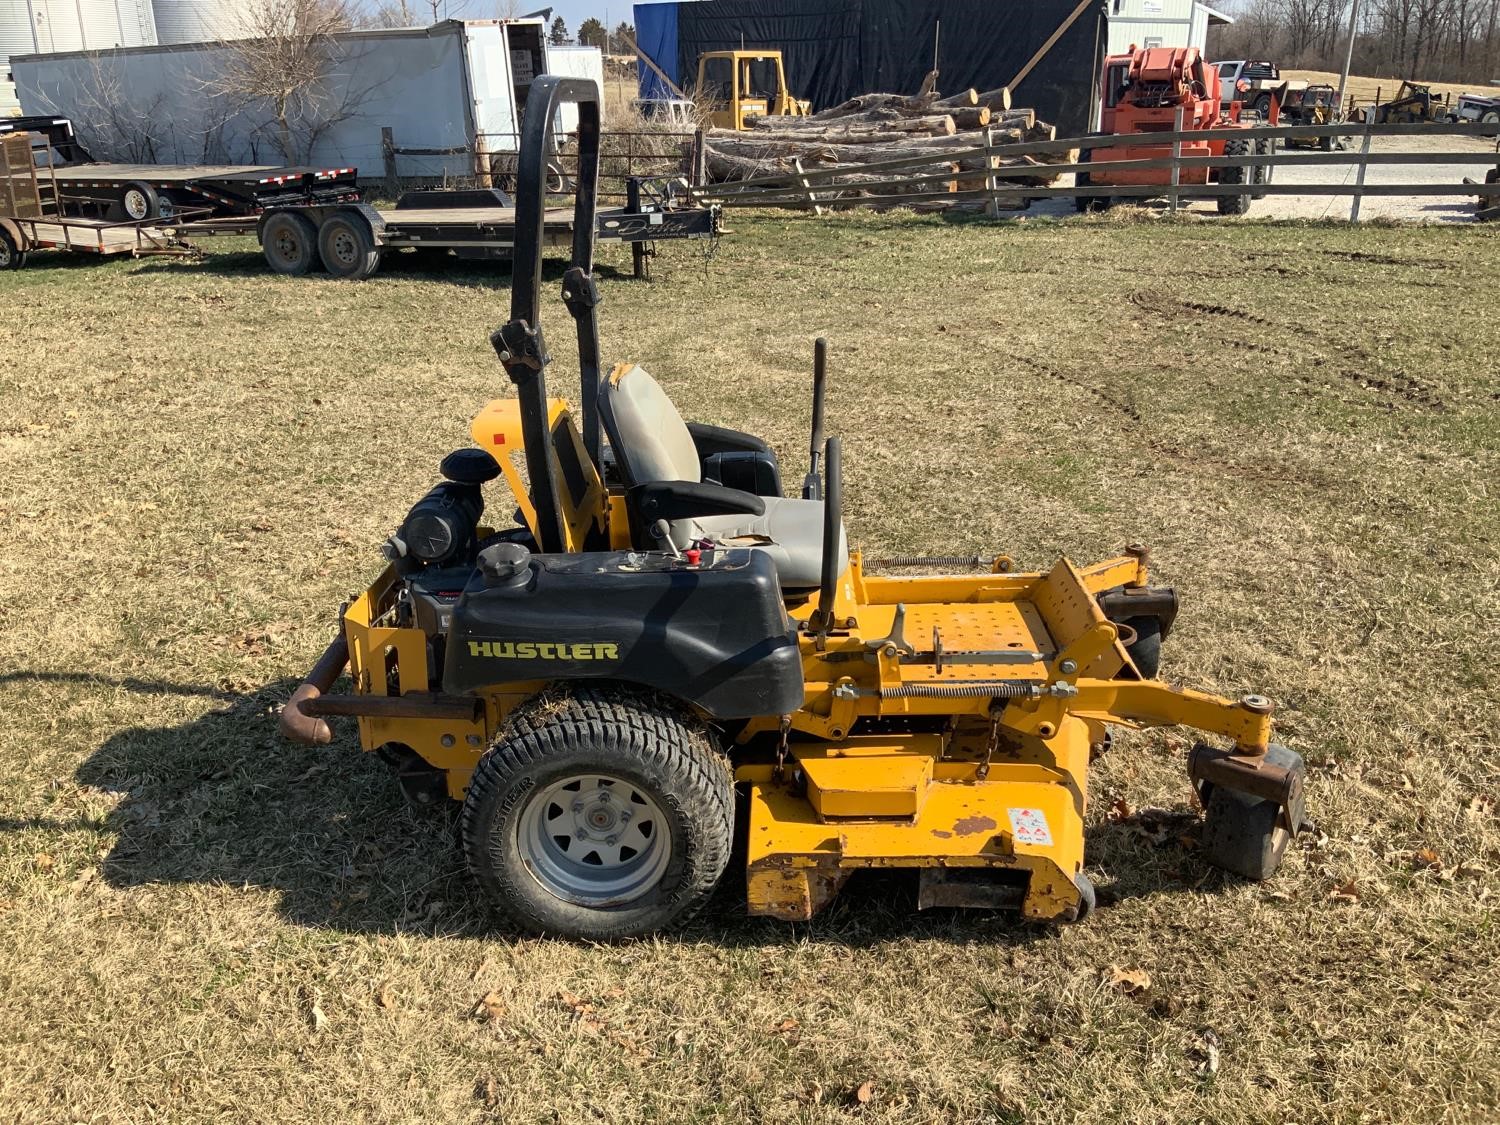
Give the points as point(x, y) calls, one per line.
point(812, 484)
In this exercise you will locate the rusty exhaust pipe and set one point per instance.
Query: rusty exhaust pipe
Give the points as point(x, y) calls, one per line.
point(311, 730)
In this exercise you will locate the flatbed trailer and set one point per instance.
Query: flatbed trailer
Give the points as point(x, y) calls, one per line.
point(349, 241)
point(141, 192)
point(32, 217)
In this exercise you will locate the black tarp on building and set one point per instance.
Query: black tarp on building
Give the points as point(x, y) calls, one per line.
point(835, 49)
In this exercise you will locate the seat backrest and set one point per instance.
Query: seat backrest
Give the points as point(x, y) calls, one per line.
point(649, 437)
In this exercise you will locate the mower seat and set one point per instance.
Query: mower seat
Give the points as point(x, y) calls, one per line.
point(652, 444)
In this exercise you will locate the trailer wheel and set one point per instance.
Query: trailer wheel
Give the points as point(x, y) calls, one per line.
point(1490, 117)
point(139, 201)
point(1244, 834)
point(12, 257)
point(347, 246)
point(289, 242)
point(606, 819)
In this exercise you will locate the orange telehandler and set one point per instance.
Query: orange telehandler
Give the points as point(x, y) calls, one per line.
point(1143, 92)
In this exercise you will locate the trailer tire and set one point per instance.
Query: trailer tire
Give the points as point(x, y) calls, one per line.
point(1490, 117)
point(139, 201)
point(347, 246)
point(1244, 834)
point(1234, 204)
point(12, 257)
point(545, 816)
point(289, 242)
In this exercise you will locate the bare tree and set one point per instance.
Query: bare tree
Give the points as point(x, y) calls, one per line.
point(294, 72)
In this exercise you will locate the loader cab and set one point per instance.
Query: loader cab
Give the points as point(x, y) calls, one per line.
point(746, 84)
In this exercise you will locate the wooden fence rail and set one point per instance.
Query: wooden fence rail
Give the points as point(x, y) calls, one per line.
point(796, 189)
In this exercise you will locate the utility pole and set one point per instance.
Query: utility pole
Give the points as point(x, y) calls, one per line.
point(1348, 50)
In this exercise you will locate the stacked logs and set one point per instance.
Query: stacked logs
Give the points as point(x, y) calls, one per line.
point(873, 128)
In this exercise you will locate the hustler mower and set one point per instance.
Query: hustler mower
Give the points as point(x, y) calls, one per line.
point(664, 638)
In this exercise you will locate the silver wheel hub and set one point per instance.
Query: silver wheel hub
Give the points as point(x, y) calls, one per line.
point(135, 204)
point(343, 247)
point(594, 840)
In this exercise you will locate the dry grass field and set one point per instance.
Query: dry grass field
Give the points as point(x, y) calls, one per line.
point(201, 923)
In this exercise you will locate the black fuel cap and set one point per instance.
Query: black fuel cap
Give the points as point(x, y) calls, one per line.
point(505, 564)
point(469, 466)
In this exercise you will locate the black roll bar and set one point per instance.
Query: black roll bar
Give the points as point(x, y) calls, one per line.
point(519, 343)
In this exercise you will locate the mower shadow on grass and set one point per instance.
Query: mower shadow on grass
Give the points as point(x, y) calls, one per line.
point(222, 800)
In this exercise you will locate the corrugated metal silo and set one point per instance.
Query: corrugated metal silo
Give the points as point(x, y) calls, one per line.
point(39, 26)
point(196, 21)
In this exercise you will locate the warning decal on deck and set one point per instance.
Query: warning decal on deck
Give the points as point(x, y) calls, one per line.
point(1029, 826)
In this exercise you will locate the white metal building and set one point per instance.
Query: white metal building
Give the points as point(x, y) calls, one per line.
point(28, 26)
point(455, 85)
point(1160, 23)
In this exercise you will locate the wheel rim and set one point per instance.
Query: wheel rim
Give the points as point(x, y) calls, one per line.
point(5, 253)
point(345, 247)
point(594, 840)
point(288, 246)
point(135, 203)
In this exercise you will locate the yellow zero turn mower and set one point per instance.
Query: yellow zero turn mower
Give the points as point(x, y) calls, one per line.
point(665, 628)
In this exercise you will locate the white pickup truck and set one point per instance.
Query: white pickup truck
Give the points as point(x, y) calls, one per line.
point(1477, 107)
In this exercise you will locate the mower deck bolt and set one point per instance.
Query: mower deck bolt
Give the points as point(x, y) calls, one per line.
point(1068, 667)
point(447, 740)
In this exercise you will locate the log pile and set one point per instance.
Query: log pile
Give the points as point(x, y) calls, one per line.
point(874, 129)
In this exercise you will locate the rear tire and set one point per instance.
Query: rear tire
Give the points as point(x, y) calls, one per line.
point(1490, 117)
point(347, 246)
point(138, 202)
point(1234, 204)
point(289, 242)
point(12, 257)
point(1244, 834)
point(544, 825)
point(1262, 106)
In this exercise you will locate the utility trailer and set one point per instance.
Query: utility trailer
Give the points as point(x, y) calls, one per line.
point(349, 240)
point(146, 192)
point(33, 216)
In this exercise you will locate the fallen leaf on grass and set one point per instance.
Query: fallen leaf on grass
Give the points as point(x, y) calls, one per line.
point(1207, 1054)
point(487, 1090)
point(489, 1007)
point(1132, 982)
point(315, 1014)
point(1482, 805)
point(1119, 810)
point(1425, 859)
point(863, 1093)
point(84, 878)
point(1345, 892)
point(385, 996)
point(789, 1029)
point(45, 862)
point(586, 1013)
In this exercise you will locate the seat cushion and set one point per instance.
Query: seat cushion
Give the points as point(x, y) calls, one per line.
point(647, 434)
point(790, 531)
